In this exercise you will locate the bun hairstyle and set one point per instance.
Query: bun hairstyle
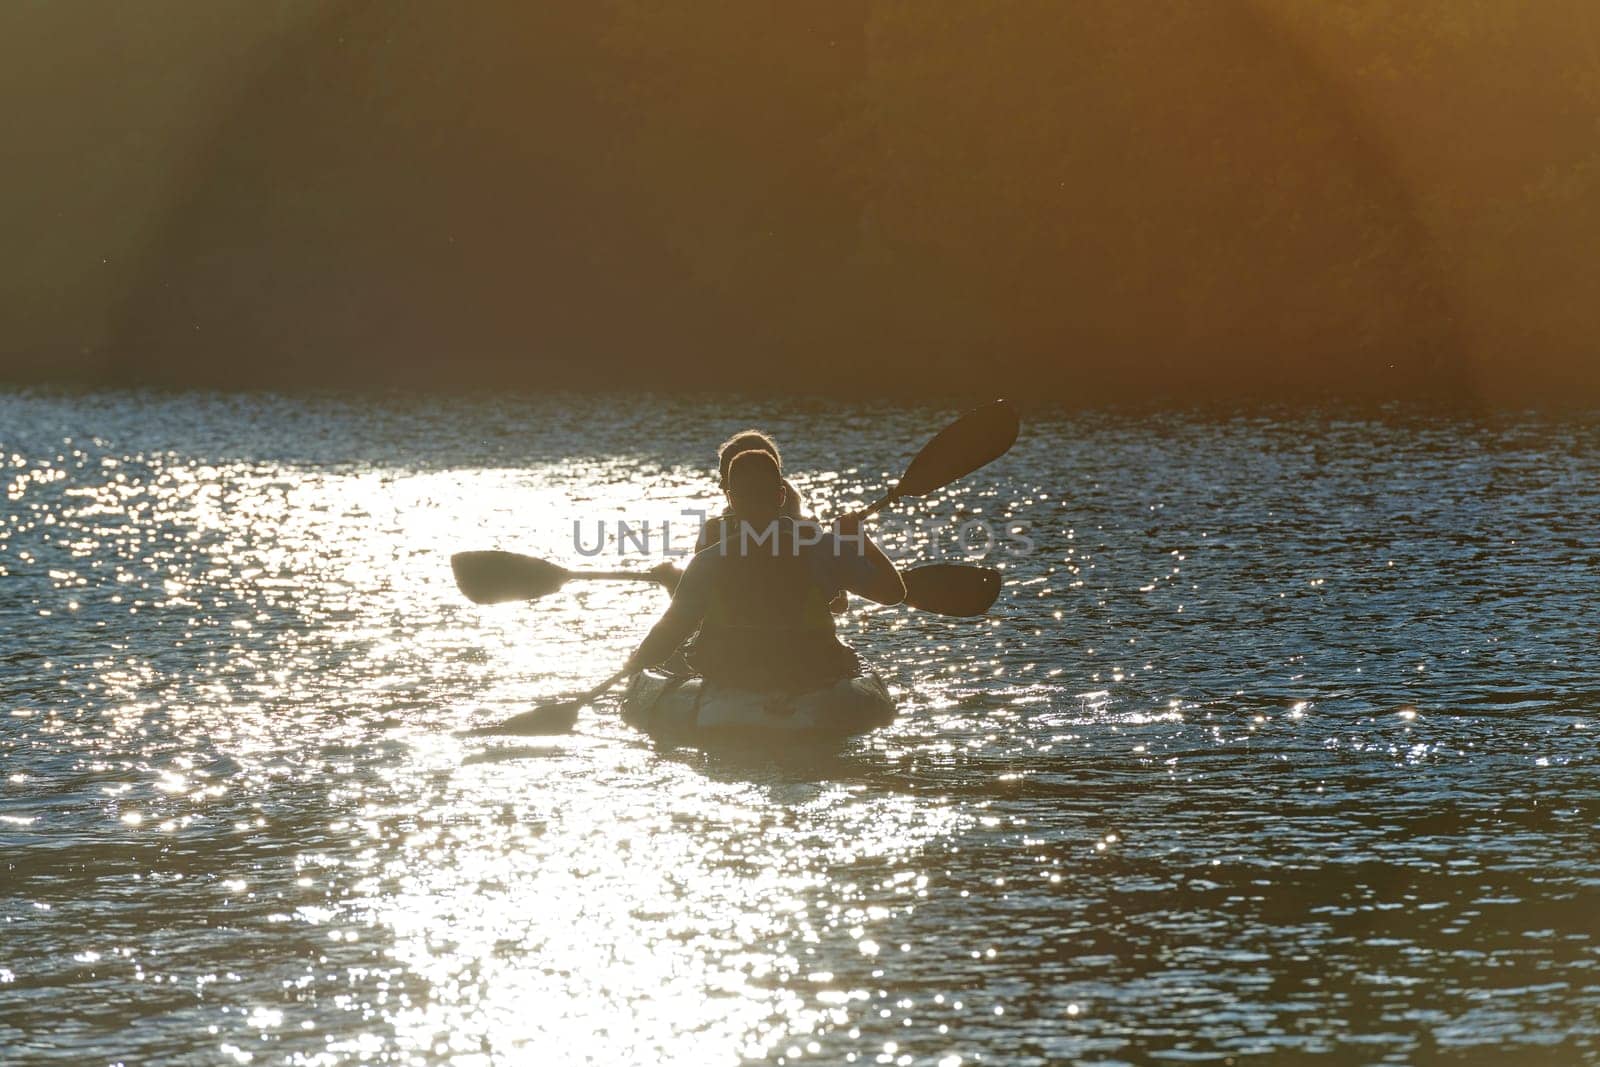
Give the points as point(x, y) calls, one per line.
point(745, 441)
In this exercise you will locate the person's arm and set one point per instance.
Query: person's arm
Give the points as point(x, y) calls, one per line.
point(678, 623)
point(874, 575)
point(674, 627)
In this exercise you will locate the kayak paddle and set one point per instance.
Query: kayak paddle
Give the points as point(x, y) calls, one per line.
point(979, 437)
point(952, 589)
point(494, 577)
point(556, 717)
point(942, 588)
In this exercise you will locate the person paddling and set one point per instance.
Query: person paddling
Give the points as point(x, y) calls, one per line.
point(794, 504)
point(759, 597)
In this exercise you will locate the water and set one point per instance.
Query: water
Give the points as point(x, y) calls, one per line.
point(1281, 741)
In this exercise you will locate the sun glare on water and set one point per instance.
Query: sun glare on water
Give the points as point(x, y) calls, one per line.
point(544, 899)
point(238, 824)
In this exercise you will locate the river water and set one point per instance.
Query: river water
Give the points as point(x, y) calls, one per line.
point(1280, 742)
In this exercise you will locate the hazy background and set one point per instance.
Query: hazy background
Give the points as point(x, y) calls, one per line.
point(1095, 200)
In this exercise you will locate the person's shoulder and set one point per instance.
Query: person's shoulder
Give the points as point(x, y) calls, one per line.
point(838, 559)
point(700, 569)
point(707, 556)
point(712, 530)
point(813, 538)
point(803, 534)
point(809, 533)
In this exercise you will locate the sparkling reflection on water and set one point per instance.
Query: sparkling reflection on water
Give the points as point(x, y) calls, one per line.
point(1281, 741)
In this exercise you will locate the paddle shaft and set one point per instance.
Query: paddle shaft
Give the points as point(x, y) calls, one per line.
point(614, 576)
point(557, 717)
point(600, 690)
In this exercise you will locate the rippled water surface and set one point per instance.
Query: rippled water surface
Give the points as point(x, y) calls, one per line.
point(1281, 741)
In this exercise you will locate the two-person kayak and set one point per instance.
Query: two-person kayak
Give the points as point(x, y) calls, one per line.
point(755, 615)
point(691, 709)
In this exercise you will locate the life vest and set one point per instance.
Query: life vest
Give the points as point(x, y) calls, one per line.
point(767, 623)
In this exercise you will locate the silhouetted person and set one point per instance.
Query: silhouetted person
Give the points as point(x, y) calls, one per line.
point(759, 597)
point(794, 504)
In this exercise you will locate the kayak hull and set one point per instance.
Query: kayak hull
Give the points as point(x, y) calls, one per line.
point(688, 708)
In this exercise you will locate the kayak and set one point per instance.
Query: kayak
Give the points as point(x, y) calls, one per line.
point(689, 707)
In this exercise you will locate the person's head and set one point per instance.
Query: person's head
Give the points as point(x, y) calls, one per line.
point(754, 486)
point(748, 441)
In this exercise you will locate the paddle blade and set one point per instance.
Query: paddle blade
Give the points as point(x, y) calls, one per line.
point(496, 577)
point(952, 589)
point(976, 438)
point(557, 718)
